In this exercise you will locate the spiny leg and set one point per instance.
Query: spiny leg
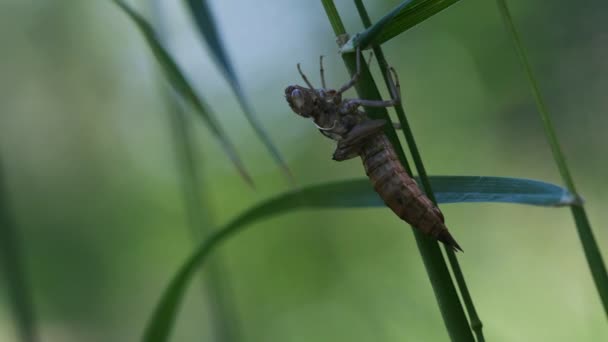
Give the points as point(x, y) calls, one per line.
point(355, 77)
point(322, 72)
point(395, 89)
point(305, 78)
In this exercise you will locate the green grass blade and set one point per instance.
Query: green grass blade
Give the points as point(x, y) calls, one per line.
point(206, 26)
point(475, 322)
point(403, 17)
point(11, 264)
point(590, 247)
point(439, 276)
point(183, 87)
point(357, 193)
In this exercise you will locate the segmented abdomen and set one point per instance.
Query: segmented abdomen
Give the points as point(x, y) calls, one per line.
point(400, 192)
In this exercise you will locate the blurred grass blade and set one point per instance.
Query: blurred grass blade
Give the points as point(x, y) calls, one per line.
point(403, 17)
point(583, 227)
point(206, 25)
point(215, 284)
point(357, 193)
point(182, 87)
point(12, 266)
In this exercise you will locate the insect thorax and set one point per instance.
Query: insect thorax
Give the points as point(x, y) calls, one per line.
point(333, 116)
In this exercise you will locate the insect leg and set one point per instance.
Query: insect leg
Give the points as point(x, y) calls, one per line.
point(353, 80)
point(305, 78)
point(322, 72)
point(363, 130)
point(395, 89)
point(371, 103)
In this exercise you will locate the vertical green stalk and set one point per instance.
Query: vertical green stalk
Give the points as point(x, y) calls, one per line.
point(449, 303)
point(476, 324)
point(590, 247)
point(214, 279)
point(11, 263)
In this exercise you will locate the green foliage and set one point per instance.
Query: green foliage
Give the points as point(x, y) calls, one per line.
point(437, 271)
point(394, 16)
point(340, 194)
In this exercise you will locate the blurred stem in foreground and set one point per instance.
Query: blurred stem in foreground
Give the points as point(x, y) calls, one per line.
point(449, 303)
point(199, 220)
point(12, 265)
point(590, 247)
point(199, 217)
point(476, 324)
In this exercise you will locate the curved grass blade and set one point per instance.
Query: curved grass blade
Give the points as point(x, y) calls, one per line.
point(583, 226)
point(206, 25)
point(356, 193)
point(448, 301)
point(182, 86)
point(403, 17)
point(12, 267)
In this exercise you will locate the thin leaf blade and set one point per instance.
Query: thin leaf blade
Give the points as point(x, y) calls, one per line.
point(356, 193)
point(12, 269)
point(467, 189)
point(592, 251)
point(205, 23)
point(400, 19)
point(181, 85)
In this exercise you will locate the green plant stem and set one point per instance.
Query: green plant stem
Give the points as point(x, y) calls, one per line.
point(590, 247)
point(476, 324)
point(449, 303)
point(12, 265)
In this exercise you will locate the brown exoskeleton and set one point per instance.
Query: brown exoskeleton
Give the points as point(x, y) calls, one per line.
point(358, 135)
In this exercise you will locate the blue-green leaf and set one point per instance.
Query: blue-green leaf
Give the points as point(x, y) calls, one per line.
point(403, 17)
point(460, 189)
point(206, 25)
point(182, 86)
point(355, 193)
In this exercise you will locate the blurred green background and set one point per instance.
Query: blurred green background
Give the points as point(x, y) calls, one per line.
point(89, 160)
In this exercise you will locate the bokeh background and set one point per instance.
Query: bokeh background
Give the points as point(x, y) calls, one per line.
point(85, 140)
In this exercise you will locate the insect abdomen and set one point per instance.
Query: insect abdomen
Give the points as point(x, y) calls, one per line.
point(400, 192)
